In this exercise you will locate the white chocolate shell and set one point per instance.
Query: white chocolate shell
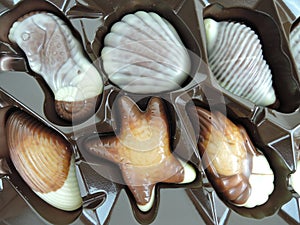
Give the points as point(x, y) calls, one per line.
point(54, 53)
point(237, 171)
point(295, 45)
point(236, 60)
point(44, 160)
point(144, 54)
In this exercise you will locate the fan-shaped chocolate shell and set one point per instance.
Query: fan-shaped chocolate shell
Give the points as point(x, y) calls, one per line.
point(237, 63)
point(44, 160)
point(54, 53)
point(144, 54)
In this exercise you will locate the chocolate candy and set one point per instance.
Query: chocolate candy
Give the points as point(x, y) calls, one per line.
point(237, 62)
point(144, 54)
point(142, 150)
point(238, 172)
point(57, 56)
point(44, 160)
point(273, 128)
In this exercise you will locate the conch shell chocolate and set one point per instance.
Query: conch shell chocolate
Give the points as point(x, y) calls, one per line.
point(54, 53)
point(237, 171)
point(236, 60)
point(44, 160)
point(142, 150)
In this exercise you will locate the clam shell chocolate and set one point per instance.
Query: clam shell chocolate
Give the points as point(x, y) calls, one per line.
point(54, 53)
point(143, 53)
point(237, 62)
point(237, 171)
point(44, 160)
point(295, 45)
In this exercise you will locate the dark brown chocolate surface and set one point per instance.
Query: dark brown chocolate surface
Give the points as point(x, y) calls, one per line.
point(274, 130)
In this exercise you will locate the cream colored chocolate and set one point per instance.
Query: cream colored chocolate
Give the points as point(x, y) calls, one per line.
point(142, 150)
point(44, 160)
point(236, 170)
point(54, 53)
point(144, 54)
point(295, 45)
point(236, 60)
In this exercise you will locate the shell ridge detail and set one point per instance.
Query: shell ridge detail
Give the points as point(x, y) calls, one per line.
point(125, 62)
point(237, 63)
point(143, 30)
point(145, 38)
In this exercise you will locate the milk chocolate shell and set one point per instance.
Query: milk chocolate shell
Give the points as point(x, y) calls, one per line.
point(57, 56)
point(44, 160)
point(144, 54)
point(237, 171)
point(142, 151)
point(237, 62)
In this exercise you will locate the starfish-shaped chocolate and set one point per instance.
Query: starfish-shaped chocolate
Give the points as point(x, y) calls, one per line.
point(142, 150)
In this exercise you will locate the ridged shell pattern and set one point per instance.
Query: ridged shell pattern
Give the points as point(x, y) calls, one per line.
point(143, 53)
point(237, 62)
point(295, 45)
point(236, 170)
point(54, 53)
point(44, 160)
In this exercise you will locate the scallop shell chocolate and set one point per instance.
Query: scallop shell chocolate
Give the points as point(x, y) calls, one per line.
point(44, 160)
point(54, 53)
point(143, 53)
point(295, 45)
point(236, 170)
point(236, 60)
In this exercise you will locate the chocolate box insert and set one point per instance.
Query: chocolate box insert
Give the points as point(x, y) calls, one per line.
point(270, 128)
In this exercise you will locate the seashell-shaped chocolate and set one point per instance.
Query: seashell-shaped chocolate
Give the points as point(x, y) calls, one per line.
point(142, 150)
point(54, 53)
point(44, 160)
point(295, 45)
point(236, 170)
point(236, 60)
point(144, 54)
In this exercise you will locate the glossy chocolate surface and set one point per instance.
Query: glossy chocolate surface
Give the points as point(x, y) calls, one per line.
point(274, 130)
